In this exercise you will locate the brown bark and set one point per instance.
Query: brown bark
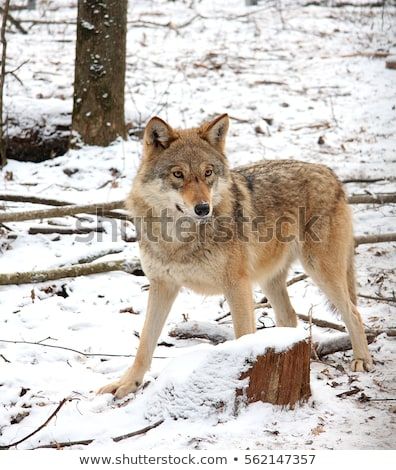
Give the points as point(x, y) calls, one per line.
point(279, 378)
point(98, 107)
point(26, 277)
point(62, 211)
point(379, 198)
point(3, 159)
point(340, 343)
point(390, 62)
point(37, 144)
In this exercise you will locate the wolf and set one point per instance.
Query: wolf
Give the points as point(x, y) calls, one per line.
point(216, 230)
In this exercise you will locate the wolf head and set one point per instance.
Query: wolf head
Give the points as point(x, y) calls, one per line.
point(185, 170)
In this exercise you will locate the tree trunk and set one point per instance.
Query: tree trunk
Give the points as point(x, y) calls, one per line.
point(3, 159)
point(98, 107)
point(279, 378)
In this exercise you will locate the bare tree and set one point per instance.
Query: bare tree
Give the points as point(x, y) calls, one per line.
point(98, 107)
point(3, 159)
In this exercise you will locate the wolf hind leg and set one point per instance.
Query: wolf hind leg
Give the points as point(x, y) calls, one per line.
point(275, 290)
point(331, 270)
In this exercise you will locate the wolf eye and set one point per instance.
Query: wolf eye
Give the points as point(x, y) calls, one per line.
point(208, 173)
point(178, 174)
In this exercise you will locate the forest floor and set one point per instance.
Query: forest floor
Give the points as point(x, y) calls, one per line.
point(301, 82)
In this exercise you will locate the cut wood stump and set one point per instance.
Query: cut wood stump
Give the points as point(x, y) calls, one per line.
point(390, 62)
point(280, 378)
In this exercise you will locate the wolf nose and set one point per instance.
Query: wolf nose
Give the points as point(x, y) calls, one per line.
point(202, 209)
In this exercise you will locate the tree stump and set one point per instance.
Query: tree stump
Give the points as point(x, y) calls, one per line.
point(390, 62)
point(280, 378)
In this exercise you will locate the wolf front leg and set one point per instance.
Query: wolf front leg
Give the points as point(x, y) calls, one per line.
point(161, 297)
point(239, 296)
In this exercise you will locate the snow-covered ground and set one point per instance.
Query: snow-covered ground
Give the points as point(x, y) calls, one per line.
point(286, 76)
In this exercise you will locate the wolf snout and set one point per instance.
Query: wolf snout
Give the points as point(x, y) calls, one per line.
point(202, 209)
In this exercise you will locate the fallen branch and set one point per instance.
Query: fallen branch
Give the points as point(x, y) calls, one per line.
point(5, 359)
point(11, 19)
point(314, 125)
point(341, 343)
point(201, 330)
point(60, 211)
point(136, 23)
point(139, 432)
point(33, 200)
point(379, 198)
point(321, 323)
point(378, 298)
point(94, 256)
point(217, 335)
point(365, 180)
point(64, 230)
point(65, 348)
point(131, 267)
point(295, 279)
point(39, 428)
point(316, 3)
point(66, 209)
point(336, 326)
point(380, 238)
point(112, 214)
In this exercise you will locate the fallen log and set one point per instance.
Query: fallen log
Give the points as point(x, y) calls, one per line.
point(340, 343)
point(61, 211)
point(217, 334)
point(117, 265)
point(128, 266)
point(64, 230)
point(112, 214)
point(379, 198)
point(98, 208)
point(211, 332)
point(379, 238)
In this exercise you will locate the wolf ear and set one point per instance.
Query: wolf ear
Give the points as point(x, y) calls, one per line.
point(158, 135)
point(215, 132)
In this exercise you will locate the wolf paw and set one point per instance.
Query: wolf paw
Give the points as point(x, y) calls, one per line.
point(361, 365)
point(120, 388)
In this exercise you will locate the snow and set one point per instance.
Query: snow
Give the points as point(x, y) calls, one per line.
point(223, 61)
point(193, 386)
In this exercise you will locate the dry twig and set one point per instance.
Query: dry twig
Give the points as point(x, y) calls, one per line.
point(139, 432)
point(65, 348)
point(378, 298)
point(4, 11)
point(5, 447)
